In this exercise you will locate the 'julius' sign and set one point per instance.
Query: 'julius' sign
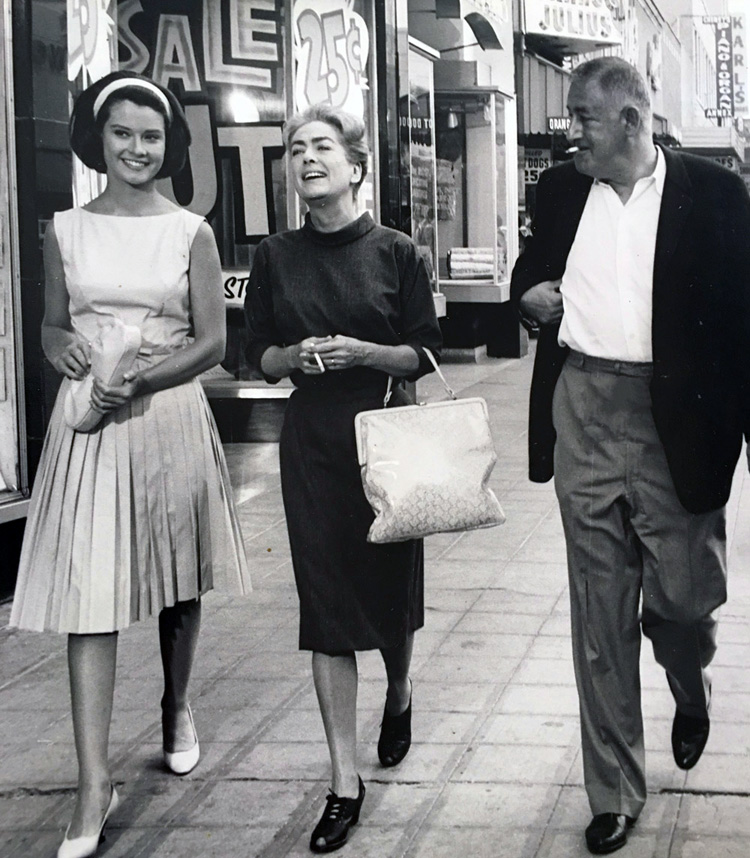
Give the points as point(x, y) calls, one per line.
point(579, 20)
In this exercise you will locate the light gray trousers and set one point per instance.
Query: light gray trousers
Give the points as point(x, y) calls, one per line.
point(630, 543)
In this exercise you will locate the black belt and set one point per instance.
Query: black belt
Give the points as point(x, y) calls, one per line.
point(588, 363)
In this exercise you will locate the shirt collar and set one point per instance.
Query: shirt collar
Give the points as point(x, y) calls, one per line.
point(658, 177)
point(660, 172)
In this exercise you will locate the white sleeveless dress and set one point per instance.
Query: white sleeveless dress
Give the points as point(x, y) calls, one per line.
point(137, 514)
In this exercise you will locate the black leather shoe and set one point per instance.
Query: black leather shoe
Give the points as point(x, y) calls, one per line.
point(608, 832)
point(332, 831)
point(689, 737)
point(395, 737)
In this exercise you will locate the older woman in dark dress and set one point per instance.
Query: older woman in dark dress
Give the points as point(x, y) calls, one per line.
point(339, 305)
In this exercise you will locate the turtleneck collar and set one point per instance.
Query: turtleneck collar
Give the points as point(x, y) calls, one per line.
point(351, 232)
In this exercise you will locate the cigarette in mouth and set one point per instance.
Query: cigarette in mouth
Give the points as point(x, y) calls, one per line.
point(571, 149)
point(320, 363)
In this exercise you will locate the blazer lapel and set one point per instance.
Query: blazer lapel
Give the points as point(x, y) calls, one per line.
point(676, 203)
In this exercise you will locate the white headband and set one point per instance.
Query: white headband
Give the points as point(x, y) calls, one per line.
point(131, 81)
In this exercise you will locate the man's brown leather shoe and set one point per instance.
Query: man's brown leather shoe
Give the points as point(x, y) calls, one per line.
point(689, 737)
point(608, 832)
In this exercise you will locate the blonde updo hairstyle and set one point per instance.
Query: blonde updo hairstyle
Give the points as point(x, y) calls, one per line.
point(351, 132)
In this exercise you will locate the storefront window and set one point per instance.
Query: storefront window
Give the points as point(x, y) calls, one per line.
point(501, 191)
point(334, 64)
point(473, 188)
point(422, 170)
point(12, 459)
point(239, 69)
point(225, 61)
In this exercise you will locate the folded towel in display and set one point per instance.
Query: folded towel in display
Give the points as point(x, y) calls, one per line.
point(471, 263)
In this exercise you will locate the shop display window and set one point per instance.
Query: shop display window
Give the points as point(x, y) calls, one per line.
point(472, 188)
point(13, 472)
point(422, 225)
point(334, 63)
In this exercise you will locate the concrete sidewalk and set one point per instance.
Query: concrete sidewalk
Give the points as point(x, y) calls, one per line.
point(495, 768)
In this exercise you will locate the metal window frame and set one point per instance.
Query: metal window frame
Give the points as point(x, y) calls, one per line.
point(15, 505)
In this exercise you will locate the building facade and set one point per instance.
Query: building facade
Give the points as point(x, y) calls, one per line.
point(464, 101)
point(240, 69)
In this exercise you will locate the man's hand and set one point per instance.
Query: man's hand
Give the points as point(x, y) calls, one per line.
point(543, 302)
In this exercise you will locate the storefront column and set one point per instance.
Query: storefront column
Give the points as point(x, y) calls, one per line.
point(392, 57)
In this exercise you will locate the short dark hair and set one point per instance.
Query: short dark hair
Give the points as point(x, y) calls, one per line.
point(351, 130)
point(86, 129)
point(616, 76)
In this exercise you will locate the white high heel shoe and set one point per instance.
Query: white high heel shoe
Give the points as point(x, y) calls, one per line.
point(183, 762)
point(84, 847)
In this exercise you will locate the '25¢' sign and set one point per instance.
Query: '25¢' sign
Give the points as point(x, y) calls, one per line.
point(331, 47)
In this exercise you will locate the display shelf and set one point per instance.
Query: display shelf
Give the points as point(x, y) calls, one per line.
point(476, 291)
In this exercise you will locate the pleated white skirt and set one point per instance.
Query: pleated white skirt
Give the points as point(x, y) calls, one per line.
point(129, 518)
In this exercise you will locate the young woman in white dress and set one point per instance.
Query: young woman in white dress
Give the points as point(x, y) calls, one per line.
point(134, 518)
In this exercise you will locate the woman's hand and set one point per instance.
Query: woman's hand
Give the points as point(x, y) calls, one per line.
point(303, 355)
point(73, 360)
point(343, 352)
point(106, 398)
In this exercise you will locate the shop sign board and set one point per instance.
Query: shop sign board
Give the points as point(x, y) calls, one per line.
point(331, 47)
point(534, 163)
point(558, 124)
point(724, 67)
point(235, 285)
point(740, 56)
point(582, 21)
point(731, 162)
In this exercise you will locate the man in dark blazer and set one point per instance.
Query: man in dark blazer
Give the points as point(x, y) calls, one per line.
point(638, 274)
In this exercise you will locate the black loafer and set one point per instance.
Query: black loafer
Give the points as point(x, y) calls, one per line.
point(395, 737)
point(608, 832)
point(689, 737)
point(332, 831)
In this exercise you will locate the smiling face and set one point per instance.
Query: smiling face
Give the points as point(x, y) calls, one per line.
point(133, 142)
point(320, 166)
point(598, 129)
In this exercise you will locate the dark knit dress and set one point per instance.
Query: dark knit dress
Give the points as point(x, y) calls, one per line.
point(368, 282)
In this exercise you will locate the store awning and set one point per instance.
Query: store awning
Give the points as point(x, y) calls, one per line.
point(543, 93)
point(714, 141)
point(481, 17)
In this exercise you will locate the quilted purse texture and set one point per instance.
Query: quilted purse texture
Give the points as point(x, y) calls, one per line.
point(425, 469)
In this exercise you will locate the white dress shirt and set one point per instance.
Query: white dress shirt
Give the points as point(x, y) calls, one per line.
point(608, 281)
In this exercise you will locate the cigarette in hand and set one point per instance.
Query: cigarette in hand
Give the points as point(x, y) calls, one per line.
point(319, 362)
point(572, 149)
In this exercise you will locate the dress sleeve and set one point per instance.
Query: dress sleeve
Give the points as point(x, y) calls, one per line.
point(419, 324)
point(259, 313)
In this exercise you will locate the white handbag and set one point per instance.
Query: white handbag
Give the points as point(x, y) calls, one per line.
point(113, 352)
point(425, 468)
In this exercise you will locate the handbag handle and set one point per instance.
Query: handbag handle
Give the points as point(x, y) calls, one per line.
point(448, 389)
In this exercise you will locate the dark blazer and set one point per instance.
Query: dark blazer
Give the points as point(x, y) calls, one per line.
point(700, 391)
